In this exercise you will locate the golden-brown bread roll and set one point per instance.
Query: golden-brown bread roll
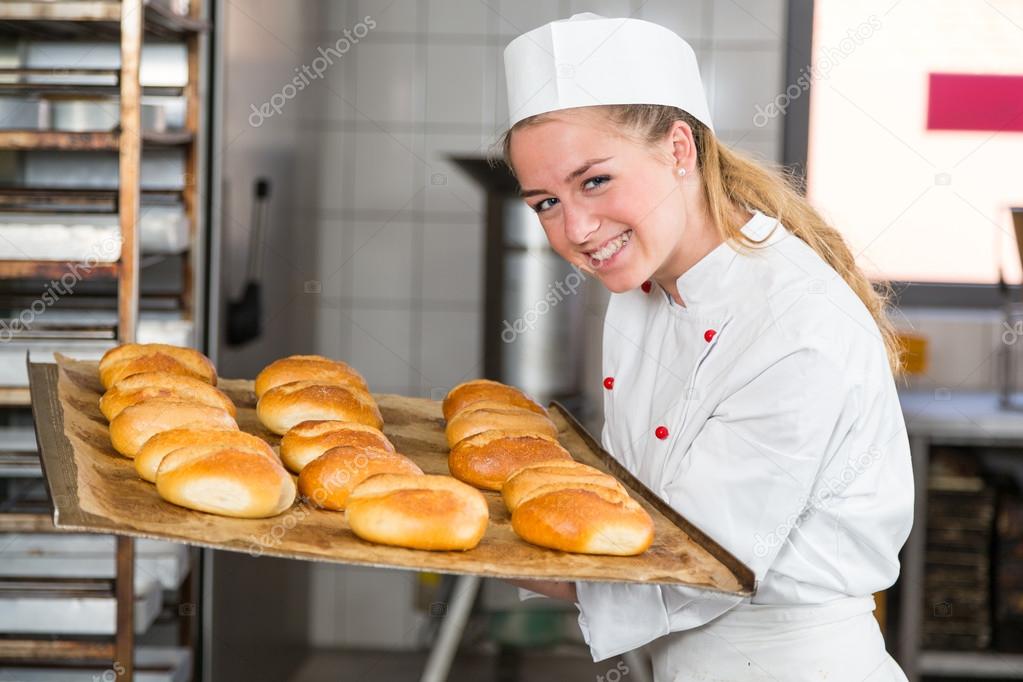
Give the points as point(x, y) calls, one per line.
point(284, 406)
point(522, 482)
point(134, 358)
point(140, 422)
point(488, 458)
point(465, 394)
point(308, 368)
point(154, 450)
point(329, 479)
point(488, 415)
point(150, 385)
point(307, 440)
point(585, 519)
point(419, 512)
point(225, 481)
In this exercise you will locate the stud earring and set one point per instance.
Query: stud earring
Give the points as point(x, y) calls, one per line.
point(681, 172)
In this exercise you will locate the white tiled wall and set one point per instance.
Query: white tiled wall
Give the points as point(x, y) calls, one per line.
point(392, 232)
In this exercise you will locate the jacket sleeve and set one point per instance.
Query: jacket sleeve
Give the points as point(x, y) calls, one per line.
point(745, 480)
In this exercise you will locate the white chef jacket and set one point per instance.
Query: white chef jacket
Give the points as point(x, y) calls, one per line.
point(765, 412)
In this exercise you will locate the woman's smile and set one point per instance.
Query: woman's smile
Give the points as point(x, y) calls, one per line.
point(609, 252)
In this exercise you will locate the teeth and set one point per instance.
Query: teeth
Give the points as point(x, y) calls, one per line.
point(612, 247)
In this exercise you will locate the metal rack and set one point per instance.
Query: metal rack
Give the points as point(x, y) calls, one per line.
point(126, 23)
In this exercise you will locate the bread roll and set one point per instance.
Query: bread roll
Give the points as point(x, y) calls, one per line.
point(134, 358)
point(465, 394)
point(153, 451)
point(308, 368)
point(586, 519)
point(488, 458)
point(329, 479)
point(140, 422)
point(150, 385)
point(284, 406)
point(225, 481)
point(307, 440)
point(522, 482)
point(419, 512)
point(490, 416)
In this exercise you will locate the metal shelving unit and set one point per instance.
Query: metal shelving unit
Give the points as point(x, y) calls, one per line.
point(127, 23)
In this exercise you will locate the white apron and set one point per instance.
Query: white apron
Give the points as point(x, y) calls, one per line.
point(765, 412)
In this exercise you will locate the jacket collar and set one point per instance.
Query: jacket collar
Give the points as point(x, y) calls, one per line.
point(711, 281)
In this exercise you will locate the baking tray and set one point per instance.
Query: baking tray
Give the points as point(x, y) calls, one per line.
point(94, 489)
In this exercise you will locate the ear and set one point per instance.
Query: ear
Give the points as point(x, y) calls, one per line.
point(681, 144)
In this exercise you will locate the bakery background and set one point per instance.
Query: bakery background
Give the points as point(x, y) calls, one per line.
point(357, 216)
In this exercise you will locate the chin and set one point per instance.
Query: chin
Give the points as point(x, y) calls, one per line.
point(620, 284)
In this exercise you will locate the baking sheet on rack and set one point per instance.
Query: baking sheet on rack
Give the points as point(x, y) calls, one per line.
point(95, 489)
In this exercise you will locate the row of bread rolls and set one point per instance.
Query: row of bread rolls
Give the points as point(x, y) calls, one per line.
point(168, 416)
point(333, 440)
point(501, 439)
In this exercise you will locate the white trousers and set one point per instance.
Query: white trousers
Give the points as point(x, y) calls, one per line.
point(839, 641)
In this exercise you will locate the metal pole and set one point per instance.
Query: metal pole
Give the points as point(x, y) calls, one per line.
point(438, 665)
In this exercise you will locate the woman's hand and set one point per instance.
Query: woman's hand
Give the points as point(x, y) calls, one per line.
point(549, 588)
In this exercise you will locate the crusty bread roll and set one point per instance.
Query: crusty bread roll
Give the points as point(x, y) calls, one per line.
point(419, 512)
point(225, 481)
point(521, 483)
point(140, 422)
point(307, 440)
point(134, 358)
point(585, 518)
point(153, 451)
point(308, 368)
point(284, 406)
point(150, 385)
point(488, 458)
point(488, 415)
point(465, 394)
point(329, 479)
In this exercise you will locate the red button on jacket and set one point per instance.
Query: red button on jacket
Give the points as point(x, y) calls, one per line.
point(609, 383)
point(708, 335)
point(661, 432)
point(645, 286)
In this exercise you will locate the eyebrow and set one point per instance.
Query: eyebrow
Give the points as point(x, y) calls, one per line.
point(571, 176)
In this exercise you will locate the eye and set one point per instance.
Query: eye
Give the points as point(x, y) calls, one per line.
point(600, 179)
point(539, 207)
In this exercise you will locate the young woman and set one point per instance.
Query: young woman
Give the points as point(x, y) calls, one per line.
point(748, 364)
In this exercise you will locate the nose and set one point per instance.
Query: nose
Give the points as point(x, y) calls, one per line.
point(579, 223)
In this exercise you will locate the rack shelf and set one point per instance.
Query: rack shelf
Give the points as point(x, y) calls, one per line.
point(43, 269)
point(20, 140)
point(71, 19)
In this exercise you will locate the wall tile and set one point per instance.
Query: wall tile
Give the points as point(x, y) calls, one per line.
point(385, 169)
point(456, 16)
point(743, 81)
point(749, 20)
point(453, 262)
point(390, 15)
point(386, 82)
point(455, 83)
point(382, 346)
point(381, 261)
point(451, 349)
point(684, 17)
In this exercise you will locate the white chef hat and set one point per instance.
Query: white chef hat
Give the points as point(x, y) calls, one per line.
point(589, 60)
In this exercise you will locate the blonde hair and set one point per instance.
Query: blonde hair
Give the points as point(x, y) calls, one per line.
point(731, 181)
